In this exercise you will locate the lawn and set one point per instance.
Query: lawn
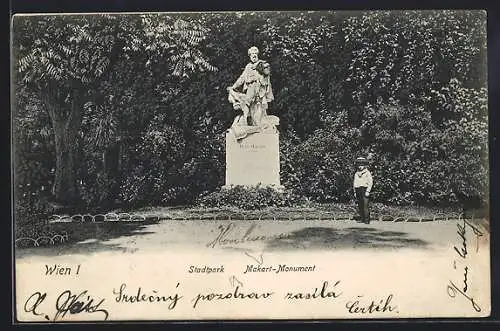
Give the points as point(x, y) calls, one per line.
point(313, 211)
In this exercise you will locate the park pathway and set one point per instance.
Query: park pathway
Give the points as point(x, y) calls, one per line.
point(263, 235)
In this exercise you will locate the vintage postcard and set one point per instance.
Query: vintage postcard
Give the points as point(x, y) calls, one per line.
point(250, 165)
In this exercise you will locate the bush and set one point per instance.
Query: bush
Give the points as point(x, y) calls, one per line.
point(321, 167)
point(248, 198)
point(151, 167)
point(432, 152)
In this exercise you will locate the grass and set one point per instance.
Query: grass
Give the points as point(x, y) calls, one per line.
point(309, 211)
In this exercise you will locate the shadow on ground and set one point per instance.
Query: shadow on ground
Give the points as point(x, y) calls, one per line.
point(323, 238)
point(87, 238)
point(91, 238)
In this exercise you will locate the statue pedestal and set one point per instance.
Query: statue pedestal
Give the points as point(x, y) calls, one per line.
point(253, 160)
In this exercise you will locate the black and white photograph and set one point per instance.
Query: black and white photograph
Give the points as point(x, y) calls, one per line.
point(250, 165)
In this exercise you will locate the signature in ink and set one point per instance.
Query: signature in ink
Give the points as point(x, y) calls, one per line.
point(227, 236)
point(462, 252)
point(65, 303)
point(462, 233)
point(32, 304)
point(466, 270)
point(75, 304)
point(384, 305)
point(453, 290)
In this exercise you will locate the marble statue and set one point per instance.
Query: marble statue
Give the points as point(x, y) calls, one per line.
point(256, 92)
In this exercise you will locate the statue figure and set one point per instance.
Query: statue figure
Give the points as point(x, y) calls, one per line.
point(254, 98)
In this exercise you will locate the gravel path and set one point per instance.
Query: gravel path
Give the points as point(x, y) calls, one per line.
point(265, 235)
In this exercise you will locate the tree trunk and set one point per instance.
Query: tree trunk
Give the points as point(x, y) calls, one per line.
point(65, 131)
point(111, 170)
point(65, 190)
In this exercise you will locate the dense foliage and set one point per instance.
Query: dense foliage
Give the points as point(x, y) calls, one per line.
point(249, 198)
point(132, 110)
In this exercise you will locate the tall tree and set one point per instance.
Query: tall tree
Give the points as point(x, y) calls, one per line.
point(65, 58)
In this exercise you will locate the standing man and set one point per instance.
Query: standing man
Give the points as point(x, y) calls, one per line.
point(363, 183)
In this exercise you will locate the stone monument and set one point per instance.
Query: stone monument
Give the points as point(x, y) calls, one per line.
point(252, 142)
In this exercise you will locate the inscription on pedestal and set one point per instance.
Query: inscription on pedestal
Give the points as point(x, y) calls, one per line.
point(253, 160)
